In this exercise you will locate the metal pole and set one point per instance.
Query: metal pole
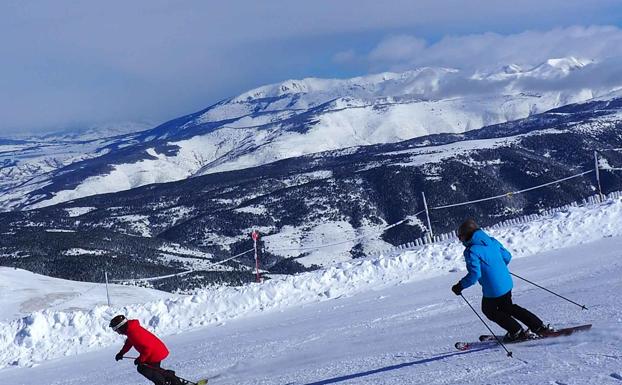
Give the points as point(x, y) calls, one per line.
point(552, 292)
point(257, 263)
point(107, 292)
point(255, 236)
point(487, 327)
point(427, 215)
point(600, 192)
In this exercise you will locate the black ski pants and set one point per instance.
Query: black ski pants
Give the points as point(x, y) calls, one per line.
point(153, 372)
point(505, 313)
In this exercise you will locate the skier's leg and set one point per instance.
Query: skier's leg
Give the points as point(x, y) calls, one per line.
point(492, 309)
point(172, 378)
point(523, 315)
point(152, 372)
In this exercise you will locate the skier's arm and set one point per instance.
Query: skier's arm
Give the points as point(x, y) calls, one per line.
point(505, 254)
point(473, 268)
point(126, 347)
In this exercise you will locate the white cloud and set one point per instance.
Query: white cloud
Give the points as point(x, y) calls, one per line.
point(397, 49)
point(598, 48)
point(67, 61)
point(491, 50)
point(345, 57)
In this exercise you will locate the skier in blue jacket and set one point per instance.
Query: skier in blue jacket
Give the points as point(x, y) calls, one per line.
point(486, 260)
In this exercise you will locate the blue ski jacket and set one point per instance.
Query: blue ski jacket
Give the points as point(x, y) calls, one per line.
point(486, 261)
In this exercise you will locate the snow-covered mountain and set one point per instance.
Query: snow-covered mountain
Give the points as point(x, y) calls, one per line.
point(32, 159)
point(557, 68)
point(299, 117)
point(86, 133)
point(342, 198)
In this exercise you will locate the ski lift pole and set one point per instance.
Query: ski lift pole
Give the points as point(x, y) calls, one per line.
point(255, 236)
point(509, 353)
point(107, 292)
point(552, 292)
point(427, 215)
point(600, 191)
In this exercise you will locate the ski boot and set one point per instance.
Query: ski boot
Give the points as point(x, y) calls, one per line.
point(520, 335)
point(544, 330)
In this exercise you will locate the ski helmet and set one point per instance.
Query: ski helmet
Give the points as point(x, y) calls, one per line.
point(117, 322)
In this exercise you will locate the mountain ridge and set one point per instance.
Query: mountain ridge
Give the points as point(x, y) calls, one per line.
point(345, 197)
point(286, 122)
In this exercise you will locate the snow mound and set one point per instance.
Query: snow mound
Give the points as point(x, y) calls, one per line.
point(50, 334)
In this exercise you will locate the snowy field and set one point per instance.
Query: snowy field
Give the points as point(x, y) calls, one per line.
point(23, 292)
point(402, 334)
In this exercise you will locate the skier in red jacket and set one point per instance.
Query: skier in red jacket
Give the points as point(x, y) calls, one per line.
point(152, 350)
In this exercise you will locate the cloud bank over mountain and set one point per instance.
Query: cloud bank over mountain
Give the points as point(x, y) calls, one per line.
point(596, 49)
point(475, 51)
point(69, 64)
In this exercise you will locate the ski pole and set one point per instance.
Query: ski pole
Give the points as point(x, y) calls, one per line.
point(487, 327)
point(552, 292)
point(161, 370)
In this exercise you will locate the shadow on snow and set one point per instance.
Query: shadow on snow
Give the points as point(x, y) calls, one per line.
point(393, 367)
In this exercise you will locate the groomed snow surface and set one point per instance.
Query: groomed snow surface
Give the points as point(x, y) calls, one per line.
point(389, 320)
point(23, 292)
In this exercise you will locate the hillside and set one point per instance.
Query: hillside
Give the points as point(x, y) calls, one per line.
point(345, 197)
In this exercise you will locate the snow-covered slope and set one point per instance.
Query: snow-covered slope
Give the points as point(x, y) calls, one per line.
point(23, 293)
point(50, 334)
point(298, 117)
point(394, 333)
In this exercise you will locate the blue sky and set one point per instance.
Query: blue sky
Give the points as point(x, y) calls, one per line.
point(69, 63)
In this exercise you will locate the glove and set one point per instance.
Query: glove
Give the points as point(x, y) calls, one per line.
point(137, 361)
point(119, 356)
point(457, 289)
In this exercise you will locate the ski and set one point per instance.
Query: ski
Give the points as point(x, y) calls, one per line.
point(462, 346)
point(489, 340)
point(183, 381)
point(556, 333)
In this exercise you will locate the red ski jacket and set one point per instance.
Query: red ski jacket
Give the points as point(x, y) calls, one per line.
point(150, 347)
